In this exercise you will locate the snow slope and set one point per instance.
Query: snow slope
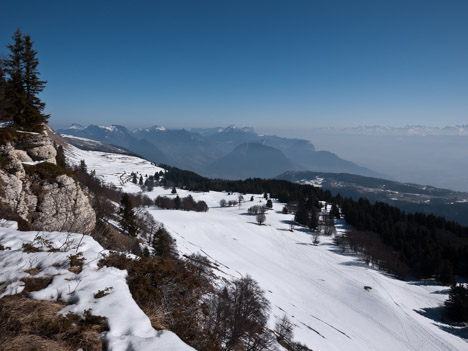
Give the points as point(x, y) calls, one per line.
point(320, 289)
point(112, 168)
point(129, 327)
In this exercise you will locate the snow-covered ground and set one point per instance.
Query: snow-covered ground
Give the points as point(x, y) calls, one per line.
point(317, 181)
point(111, 168)
point(321, 290)
point(129, 327)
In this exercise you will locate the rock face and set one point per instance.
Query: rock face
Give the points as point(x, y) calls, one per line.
point(37, 145)
point(56, 204)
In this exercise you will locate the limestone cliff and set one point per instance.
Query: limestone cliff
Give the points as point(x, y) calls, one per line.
point(31, 186)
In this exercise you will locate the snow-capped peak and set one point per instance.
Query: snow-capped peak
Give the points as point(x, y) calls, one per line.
point(233, 127)
point(156, 127)
point(76, 126)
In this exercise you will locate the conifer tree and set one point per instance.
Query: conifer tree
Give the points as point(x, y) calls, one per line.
point(23, 85)
point(128, 220)
point(313, 219)
point(163, 244)
point(32, 84)
point(177, 202)
point(60, 158)
point(456, 306)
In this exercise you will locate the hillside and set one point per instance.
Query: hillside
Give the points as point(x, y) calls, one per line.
point(321, 289)
point(250, 160)
point(408, 197)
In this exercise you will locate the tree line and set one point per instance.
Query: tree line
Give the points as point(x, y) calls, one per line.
point(422, 245)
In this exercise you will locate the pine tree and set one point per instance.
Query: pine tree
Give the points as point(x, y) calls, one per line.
point(335, 211)
point(163, 244)
point(32, 84)
point(177, 202)
point(302, 215)
point(23, 105)
point(312, 224)
point(127, 216)
point(60, 158)
point(456, 306)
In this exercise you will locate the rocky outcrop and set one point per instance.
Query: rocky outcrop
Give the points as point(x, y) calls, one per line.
point(56, 204)
point(38, 146)
point(63, 206)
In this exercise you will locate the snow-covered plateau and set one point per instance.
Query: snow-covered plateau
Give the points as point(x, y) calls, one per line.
point(334, 300)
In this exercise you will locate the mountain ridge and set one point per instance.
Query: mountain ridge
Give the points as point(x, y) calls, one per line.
point(197, 149)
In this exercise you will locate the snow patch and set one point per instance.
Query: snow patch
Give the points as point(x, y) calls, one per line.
point(129, 327)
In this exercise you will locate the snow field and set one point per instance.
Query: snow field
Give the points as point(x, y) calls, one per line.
point(111, 168)
point(320, 289)
point(129, 327)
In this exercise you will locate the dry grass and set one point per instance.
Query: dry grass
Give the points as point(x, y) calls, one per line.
point(156, 316)
point(112, 239)
point(35, 284)
point(27, 324)
point(33, 271)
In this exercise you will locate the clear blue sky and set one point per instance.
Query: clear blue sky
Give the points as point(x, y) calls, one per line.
point(267, 64)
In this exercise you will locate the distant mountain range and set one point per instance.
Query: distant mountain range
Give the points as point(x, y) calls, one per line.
point(412, 130)
point(230, 153)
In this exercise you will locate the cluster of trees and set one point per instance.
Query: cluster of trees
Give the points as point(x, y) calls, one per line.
point(147, 184)
point(228, 203)
point(424, 245)
point(258, 212)
point(177, 203)
point(20, 85)
point(307, 213)
point(429, 246)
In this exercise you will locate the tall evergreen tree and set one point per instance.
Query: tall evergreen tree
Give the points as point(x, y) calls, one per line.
point(313, 222)
point(60, 158)
point(32, 84)
point(128, 220)
point(23, 85)
point(456, 306)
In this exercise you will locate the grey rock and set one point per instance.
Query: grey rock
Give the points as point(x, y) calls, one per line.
point(58, 205)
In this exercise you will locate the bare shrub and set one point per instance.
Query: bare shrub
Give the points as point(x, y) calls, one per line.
point(261, 218)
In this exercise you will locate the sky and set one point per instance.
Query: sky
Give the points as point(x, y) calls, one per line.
point(272, 65)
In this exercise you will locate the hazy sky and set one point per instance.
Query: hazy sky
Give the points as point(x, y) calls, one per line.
point(267, 64)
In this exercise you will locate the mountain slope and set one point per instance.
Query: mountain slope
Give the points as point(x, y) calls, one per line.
point(450, 204)
point(334, 300)
point(250, 160)
point(204, 150)
point(119, 136)
point(182, 148)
